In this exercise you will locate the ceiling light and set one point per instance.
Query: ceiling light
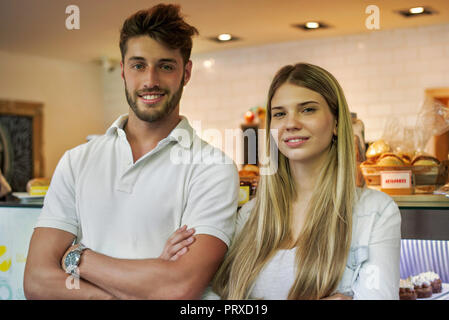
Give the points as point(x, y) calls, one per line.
point(416, 10)
point(312, 25)
point(224, 37)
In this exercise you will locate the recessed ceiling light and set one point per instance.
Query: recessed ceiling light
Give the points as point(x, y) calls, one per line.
point(224, 37)
point(416, 11)
point(311, 25)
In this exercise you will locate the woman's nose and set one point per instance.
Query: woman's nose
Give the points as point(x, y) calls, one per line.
point(293, 122)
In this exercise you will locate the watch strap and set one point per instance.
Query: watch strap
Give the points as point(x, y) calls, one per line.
point(72, 269)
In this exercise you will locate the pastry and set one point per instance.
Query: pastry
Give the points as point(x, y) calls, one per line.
point(406, 157)
point(407, 290)
point(247, 174)
point(425, 160)
point(423, 287)
point(434, 279)
point(376, 149)
point(251, 167)
point(390, 159)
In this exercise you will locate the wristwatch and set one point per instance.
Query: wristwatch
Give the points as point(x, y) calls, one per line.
point(72, 260)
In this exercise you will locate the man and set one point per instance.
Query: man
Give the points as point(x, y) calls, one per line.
point(123, 194)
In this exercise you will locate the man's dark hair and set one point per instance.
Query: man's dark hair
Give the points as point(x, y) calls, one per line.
point(162, 23)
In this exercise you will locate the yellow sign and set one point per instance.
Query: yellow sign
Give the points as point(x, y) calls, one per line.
point(38, 190)
point(243, 195)
point(6, 264)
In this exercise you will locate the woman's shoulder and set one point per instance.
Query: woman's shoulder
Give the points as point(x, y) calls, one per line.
point(371, 201)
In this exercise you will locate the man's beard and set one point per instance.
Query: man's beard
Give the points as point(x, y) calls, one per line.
point(156, 113)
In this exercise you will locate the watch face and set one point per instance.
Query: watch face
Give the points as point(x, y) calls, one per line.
point(72, 259)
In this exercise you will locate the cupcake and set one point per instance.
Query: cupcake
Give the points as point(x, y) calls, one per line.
point(406, 290)
point(434, 279)
point(423, 287)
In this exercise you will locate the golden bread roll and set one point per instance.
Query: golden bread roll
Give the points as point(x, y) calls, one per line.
point(406, 157)
point(251, 167)
point(368, 162)
point(390, 159)
point(425, 160)
point(246, 174)
point(377, 148)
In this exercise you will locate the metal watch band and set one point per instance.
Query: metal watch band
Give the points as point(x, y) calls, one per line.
point(72, 269)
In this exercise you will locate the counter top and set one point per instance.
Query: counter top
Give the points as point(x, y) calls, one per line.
point(11, 201)
point(428, 201)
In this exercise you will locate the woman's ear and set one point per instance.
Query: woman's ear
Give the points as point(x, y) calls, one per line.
point(335, 131)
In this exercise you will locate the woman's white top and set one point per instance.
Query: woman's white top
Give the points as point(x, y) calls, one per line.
point(372, 268)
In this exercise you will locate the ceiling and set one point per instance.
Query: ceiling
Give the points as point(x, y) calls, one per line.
point(37, 27)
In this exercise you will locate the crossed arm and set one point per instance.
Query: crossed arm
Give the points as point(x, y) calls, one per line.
point(180, 274)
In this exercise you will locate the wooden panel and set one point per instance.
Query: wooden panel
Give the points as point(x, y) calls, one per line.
point(440, 144)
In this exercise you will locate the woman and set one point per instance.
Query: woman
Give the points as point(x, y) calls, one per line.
point(310, 233)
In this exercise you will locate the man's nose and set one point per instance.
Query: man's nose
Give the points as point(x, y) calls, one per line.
point(151, 78)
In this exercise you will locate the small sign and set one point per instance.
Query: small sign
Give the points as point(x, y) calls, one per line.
point(243, 195)
point(396, 179)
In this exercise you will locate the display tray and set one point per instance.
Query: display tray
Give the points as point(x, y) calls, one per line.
point(423, 175)
point(443, 295)
point(25, 196)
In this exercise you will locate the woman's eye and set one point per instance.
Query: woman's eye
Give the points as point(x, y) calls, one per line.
point(308, 110)
point(278, 114)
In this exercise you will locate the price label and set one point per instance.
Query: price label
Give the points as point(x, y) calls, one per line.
point(396, 179)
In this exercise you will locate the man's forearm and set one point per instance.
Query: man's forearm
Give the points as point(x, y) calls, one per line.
point(49, 284)
point(133, 279)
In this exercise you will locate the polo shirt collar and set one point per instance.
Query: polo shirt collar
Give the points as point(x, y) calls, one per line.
point(174, 135)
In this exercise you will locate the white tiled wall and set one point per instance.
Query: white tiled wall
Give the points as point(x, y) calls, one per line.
point(384, 74)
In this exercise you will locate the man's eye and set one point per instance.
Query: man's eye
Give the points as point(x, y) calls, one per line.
point(167, 67)
point(138, 66)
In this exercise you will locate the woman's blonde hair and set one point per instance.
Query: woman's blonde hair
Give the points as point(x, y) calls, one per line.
point(324, 242)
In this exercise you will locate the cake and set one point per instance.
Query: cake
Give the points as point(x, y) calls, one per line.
point(423, 287)
point(406, 290)
point(434, 279)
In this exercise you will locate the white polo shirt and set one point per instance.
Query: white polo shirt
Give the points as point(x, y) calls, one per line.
point(128, 210)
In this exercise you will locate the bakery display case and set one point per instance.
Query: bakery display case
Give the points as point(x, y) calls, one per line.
point(425, 241)
point(424, 244)
point(17, 220)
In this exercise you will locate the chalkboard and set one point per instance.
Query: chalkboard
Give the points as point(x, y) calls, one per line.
point(18, 166)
